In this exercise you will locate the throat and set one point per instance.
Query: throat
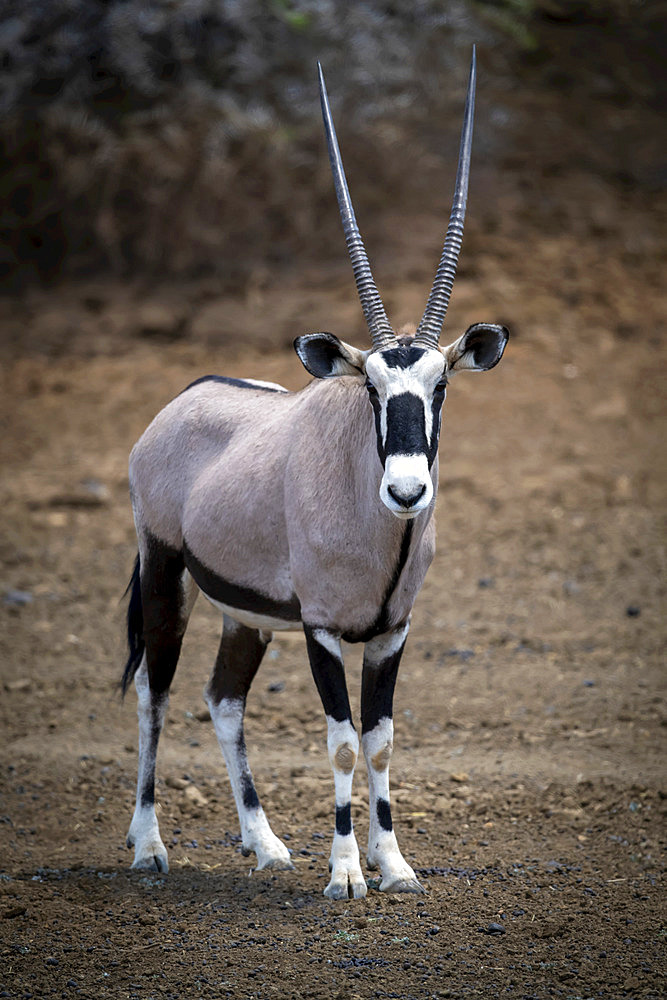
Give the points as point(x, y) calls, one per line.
point(382, 623)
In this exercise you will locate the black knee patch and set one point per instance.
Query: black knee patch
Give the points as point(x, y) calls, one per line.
point(384, 814)
point(344, 820)
point(250, 797)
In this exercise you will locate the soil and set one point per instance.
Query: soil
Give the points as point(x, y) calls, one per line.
point(528, 775)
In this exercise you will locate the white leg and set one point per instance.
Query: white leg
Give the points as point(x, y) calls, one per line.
point(144, 833)
point(256, 834)
point(326, 662)
point(381, 659)
point(346, 876)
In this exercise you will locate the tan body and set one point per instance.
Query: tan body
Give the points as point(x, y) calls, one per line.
point(279, 492)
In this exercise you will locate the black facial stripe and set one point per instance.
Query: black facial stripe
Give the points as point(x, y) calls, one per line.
point(406, 434)
point(377, 413)
point(402, 357)
point(236, 596)
point(436, 414)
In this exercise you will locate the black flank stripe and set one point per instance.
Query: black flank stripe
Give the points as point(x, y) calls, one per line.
point(236, 596)
point(344, 820)
point(384, 814)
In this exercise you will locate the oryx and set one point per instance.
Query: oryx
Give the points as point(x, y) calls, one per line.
point(304, 510)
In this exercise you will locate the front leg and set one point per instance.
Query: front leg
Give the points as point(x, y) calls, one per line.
point(326, 663)
point(382, 656)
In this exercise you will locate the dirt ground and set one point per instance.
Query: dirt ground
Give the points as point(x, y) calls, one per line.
point(529, 769)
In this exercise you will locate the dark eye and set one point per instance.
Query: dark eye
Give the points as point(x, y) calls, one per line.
point(372, 391)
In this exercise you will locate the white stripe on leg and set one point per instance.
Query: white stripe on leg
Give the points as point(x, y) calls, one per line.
point(144, 832)
point(383, 850)
point(256, 834)
point(346, 875)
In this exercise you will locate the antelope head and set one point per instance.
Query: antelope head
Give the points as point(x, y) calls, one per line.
point(406, 378)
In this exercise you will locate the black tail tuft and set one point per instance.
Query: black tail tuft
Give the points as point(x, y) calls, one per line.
point(135, 628)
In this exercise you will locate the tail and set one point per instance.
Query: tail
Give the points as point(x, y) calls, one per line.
point(135, 628)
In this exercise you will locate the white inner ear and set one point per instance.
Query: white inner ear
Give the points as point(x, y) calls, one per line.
point(355, 358)
point(458, 360)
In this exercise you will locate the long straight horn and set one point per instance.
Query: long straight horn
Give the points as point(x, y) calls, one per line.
point(380, 329)
point(430, 327)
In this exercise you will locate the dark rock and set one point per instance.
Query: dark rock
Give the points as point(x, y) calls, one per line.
point(17, 598)
point(493, 929)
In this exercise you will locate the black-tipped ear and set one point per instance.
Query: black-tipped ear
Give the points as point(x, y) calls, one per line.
point(480, 348)
point(325, 356)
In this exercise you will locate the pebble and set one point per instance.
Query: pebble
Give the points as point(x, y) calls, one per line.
point(17, 598)
point(193, 794)
point(493, 929)
point(633, 611)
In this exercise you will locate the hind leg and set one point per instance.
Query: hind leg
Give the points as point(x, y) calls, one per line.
point(167, 600)
point(240, 654)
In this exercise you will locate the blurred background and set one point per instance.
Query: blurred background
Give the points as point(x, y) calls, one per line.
point(178, 143)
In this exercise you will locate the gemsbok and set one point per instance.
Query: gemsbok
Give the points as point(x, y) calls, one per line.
point(304, 510)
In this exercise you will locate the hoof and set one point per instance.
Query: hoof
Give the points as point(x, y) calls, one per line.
point(402, 885)
point(151, 863)
point(276, 865)
point(349, 887)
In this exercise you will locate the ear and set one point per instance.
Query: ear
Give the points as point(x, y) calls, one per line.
point(480, 348)
point(325, 356)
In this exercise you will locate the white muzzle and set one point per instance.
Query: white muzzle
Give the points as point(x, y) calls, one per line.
point(406, 488)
